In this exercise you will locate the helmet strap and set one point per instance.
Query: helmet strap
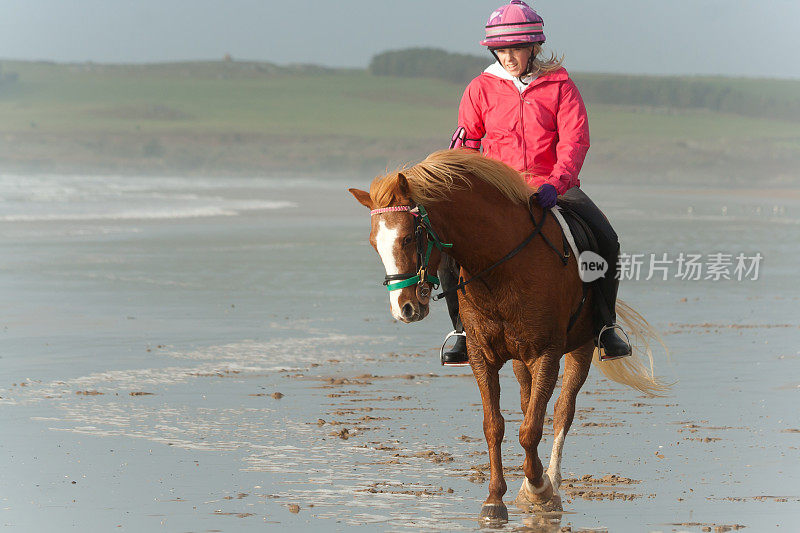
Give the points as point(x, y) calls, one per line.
point(529, 67)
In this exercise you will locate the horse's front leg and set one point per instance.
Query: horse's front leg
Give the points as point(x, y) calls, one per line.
point(493, 428)
point(536, 488)
point(524, 379)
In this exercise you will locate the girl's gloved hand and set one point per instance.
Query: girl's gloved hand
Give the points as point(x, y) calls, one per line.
point(546, 196)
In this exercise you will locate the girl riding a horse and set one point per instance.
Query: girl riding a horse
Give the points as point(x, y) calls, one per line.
point(526, 304)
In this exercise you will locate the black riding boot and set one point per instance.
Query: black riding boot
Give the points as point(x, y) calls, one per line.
point(606, 287)
point(457, 355)
point(613, 346)
point(448, 275)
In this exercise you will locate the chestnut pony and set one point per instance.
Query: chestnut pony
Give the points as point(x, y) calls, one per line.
point(477, 210)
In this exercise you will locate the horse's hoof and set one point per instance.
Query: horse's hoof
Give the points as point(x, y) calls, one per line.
point(494, 512)
point(532, 496)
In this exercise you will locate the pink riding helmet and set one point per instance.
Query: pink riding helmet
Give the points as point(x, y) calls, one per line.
point(514, 23)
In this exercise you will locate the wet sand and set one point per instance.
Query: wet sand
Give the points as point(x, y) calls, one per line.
point(237, 372)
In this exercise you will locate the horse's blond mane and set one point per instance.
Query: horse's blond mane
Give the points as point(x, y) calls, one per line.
point(432, 179)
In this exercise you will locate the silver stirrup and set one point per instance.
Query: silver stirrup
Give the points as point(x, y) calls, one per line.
point(600, 346)
point(453, 333)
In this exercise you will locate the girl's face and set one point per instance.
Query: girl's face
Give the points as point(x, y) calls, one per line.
point(514, 60)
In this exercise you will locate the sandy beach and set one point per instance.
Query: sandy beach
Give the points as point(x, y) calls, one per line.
point(217, 354)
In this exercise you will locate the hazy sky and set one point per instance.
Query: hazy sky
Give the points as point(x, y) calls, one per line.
point(731, 37)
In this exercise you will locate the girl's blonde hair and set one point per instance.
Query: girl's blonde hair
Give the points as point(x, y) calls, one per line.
point(545, 65)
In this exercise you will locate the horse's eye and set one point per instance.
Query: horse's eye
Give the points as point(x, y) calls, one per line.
point(407, 240)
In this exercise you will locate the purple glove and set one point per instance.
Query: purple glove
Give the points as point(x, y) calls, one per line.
point(546, 195)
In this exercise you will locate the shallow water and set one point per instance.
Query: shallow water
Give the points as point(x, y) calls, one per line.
point(211, 295)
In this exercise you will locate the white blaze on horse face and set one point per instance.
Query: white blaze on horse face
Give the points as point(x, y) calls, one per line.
point(385, 240)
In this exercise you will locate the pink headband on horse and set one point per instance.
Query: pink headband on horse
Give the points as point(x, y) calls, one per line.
point(392, 209)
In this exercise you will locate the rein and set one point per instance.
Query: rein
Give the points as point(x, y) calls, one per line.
point(536, 231)
point(422, 228)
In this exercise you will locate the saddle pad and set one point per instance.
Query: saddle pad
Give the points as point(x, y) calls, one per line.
point(565, 228)
point(575, 230)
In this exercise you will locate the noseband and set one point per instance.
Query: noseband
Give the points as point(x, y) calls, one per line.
point(426, 238)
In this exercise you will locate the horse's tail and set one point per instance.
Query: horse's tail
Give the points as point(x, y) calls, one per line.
point(637, 370)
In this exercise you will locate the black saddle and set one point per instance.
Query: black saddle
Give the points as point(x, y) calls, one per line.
point(590, 228)
point(592, 231)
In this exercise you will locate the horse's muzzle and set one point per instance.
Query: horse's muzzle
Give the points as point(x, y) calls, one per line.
point(413, 312)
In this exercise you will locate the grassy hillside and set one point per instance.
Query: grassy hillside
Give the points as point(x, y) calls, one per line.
point(778, 99)
point(258, 118)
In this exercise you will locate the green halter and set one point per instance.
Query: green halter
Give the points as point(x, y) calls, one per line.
point(422, 226)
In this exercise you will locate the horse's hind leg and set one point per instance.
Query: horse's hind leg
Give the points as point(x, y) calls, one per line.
point(576, 368)
point(536, 488)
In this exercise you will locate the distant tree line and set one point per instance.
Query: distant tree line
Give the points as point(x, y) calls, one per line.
point(429, 63)
point(720, 94)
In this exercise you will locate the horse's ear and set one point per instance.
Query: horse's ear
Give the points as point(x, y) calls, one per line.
point(362, 197)
point(402, 184)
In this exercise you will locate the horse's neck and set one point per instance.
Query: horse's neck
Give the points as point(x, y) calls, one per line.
point(482, 224)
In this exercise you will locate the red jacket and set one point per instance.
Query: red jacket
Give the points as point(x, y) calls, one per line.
point(542, 132)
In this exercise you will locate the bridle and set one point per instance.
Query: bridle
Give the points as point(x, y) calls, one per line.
point(425, 238)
